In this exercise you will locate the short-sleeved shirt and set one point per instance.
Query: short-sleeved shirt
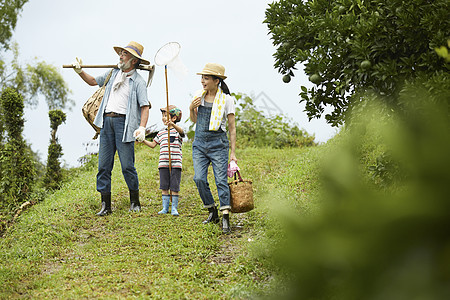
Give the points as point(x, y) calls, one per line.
point(137, 99)
point(176, 142)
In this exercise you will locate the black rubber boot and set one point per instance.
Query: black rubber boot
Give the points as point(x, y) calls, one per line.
point(213, 216)
point(134, 202)
point(106, 205)
point(226, 223)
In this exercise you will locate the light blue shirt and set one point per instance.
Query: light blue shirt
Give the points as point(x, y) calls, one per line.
point(137, 99)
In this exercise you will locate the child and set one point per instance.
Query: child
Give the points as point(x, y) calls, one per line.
point(169, 182)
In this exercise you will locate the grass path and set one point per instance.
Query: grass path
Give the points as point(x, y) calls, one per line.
point(59, 249)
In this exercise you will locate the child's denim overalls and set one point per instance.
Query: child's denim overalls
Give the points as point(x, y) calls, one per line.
point(210, 147)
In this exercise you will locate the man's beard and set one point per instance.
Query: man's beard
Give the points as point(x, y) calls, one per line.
point(126, 66)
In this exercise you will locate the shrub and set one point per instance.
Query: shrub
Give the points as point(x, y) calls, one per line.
point(17, 168)
point(254, 129)
point(53, 176)
point(372, 243)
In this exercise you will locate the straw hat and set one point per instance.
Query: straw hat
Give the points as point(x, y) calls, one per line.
point(173, 111)
point(135, 49)
point(213, 69)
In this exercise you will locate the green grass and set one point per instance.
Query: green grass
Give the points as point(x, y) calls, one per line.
point(60, 249)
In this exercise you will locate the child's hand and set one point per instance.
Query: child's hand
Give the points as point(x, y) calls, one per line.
point(168, 122)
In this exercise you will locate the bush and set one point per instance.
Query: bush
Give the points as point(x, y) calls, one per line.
point(372, 243)
point(53, 176)
point(253, 129)
point(17, 168)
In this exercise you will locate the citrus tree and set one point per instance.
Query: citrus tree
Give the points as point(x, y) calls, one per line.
point(350, 46)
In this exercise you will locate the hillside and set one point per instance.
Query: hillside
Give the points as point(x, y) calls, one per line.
point(60, 249)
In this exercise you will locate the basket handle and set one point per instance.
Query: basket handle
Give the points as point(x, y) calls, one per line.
point(239, 175)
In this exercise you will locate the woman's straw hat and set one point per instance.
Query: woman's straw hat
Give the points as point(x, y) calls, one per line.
point(213, 69)
point(135, 49)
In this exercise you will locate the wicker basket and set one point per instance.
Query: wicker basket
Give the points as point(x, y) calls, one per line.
point(241, 192)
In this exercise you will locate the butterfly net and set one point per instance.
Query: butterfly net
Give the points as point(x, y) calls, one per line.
point(168, 55)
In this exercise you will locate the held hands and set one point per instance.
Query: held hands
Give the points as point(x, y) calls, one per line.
point(77, 65)
point(139, 134)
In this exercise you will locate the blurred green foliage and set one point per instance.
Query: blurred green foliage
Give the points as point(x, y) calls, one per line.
point(34, 80)
point(367, 242)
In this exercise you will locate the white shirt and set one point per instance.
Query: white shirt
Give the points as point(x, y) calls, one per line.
point(118, 99)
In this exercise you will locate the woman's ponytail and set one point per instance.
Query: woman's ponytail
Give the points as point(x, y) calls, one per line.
point(224, 87)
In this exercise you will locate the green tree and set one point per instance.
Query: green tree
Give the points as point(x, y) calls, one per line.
point(351, 46)
point(35, 79)
point(17, 171)
point(30, 80)
point(9, 9)
point(53, 176)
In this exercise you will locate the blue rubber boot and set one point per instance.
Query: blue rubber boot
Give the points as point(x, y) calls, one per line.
point(166, 202)
point(174, 205)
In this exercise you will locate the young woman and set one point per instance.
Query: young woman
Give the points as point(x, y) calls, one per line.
point(211, 109)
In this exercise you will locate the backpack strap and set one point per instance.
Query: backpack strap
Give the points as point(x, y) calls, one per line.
point(108, 77)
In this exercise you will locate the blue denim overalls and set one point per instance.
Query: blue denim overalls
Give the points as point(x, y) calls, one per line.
point(210, 147)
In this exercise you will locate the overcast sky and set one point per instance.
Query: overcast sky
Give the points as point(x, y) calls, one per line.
point(227, 32)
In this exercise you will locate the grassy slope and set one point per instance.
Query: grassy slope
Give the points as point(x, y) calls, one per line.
point(60, 249)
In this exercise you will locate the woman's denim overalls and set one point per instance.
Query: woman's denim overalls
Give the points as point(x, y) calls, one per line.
point(210, 147)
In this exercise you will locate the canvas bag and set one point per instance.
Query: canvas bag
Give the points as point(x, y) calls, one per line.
point(90, 108)
point(241, 194)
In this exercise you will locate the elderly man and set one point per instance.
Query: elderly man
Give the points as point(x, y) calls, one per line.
point(122, 117)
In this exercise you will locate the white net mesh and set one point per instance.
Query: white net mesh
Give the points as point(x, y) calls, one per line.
point(167, 55)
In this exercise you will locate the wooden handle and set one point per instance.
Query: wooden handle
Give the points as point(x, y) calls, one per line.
point(141, 67)
point(92, 66)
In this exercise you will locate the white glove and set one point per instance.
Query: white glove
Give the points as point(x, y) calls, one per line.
point(139, 134)
point(77, 65)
